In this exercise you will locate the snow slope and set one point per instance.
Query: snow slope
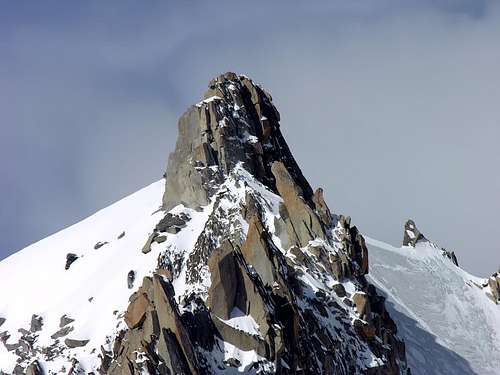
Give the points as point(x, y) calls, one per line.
point(93, 289)
point(448, 323)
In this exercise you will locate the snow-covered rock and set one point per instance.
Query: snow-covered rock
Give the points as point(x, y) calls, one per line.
point(445, 315)
point(234, 264)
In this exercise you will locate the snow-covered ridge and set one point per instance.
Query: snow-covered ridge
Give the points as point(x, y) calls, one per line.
point(449, 324)
point(93, 291)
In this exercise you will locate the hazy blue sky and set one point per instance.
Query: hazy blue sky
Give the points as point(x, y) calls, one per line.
point(392, 107)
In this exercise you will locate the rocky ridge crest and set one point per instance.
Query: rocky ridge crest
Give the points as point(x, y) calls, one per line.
point(412, 236)
point(274, 282)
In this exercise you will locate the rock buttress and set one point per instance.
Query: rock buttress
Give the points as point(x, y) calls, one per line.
point(274, 283)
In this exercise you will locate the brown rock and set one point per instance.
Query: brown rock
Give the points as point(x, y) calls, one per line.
point(65, 320)
point(305, 224)
point(147, 246)
point(365, 330)
point(169, 319)
point(339, 290)
point(222, 292)
point(256, 252)
point(160, 239)
point(362, 303)
point(242, 340)
point(34, 369)
point(136, 311)
point(72, 343)
point(495, 288)
point(322, 208)
point(36, 323)
point(359, 250)
point(336, 266)
point(64, 331)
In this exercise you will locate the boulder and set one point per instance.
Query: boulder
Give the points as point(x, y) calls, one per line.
point(34, 369)
point(72, 343)
point(362, 303)
point(339, 290)
point(147, 246)
point(130, 279)
point(160, 239)
point(136, 311)
point(36, 323)
point(70, 258)
point(99, 245)
point(64, 331)
point(65, 320)
point(172, 221)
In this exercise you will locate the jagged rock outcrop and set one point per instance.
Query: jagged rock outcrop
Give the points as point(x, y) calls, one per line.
point(451, 256)
point(492, 286)
point(34, 369)
point(412, 235)
point(210, 135)
point(266, 271)
point(244, 269)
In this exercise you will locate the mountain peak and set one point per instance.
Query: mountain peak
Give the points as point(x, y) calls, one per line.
point(243, 270)
point(236, 123)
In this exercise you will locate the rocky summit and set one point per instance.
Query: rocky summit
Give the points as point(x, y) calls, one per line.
point(235, 264)
point(273, 282)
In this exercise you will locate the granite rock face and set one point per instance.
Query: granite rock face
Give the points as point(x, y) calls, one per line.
point(211, 135)
point(272, 271)
point(243, 269)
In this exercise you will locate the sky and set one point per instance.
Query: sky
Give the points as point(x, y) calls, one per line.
point(391, 106)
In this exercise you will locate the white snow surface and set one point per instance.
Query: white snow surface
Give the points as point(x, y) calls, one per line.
point(94, 290)
point(34, 280)
point(243, 322)
point(448, 323)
